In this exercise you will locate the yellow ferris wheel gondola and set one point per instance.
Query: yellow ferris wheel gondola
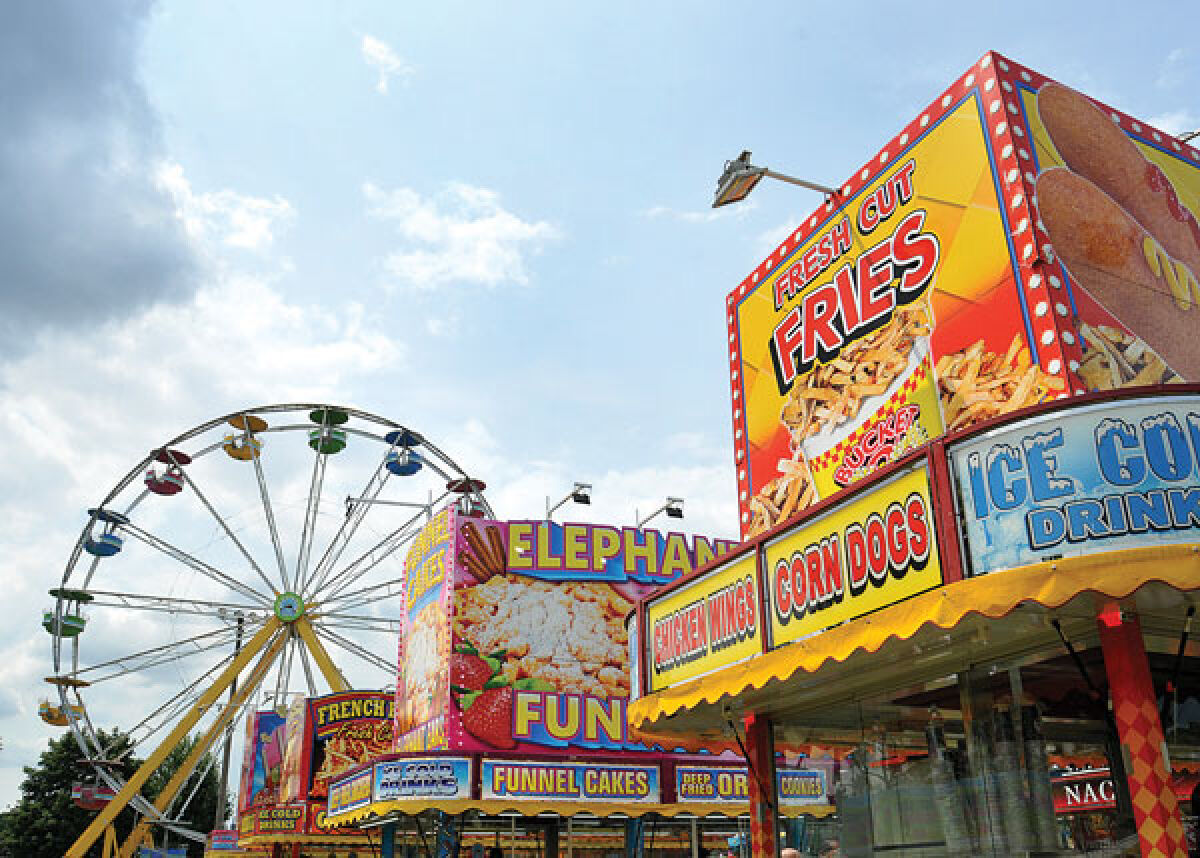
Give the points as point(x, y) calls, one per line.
point(244, 446)
point(58, 716)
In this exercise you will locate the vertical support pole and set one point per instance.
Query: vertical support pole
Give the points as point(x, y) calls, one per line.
point(1143, 746)
point(633, 838)
point(551, 839)
point(387, 841)
point(760, 753)
point(695, 838)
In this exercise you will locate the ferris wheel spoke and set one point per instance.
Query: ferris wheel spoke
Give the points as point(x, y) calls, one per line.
point(357, 597)
point(374, 555)
point(198, 565)
point(350, 524)
point(164, 658)
point(270, 516)
point(354, 649)
point(224, 526)
point(91, 570)
point(199, 776)
point(221, 634)
point(308, 672)
point(173, 605)
point(310, 519)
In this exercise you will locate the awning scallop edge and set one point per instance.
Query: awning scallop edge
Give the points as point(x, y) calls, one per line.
point(1115, 575)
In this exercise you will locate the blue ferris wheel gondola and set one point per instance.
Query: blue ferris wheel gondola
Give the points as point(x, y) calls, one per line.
point(403, 462)
point(107, 542)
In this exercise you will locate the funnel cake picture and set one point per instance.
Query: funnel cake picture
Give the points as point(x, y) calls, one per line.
point(1117, 223)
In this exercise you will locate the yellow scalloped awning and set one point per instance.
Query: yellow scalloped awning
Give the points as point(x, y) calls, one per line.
point(495, 807)
point(1112, 575)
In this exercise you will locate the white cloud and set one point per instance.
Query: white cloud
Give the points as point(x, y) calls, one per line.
point(379, 55)
point(463, 235)
point(1173, 70)
point(737, 211)
point(1176, 121)
point(225, 217)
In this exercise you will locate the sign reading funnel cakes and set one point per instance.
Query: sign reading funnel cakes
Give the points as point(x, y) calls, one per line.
point(538, 657)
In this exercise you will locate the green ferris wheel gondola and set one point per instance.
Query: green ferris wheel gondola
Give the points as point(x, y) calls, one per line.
point(328, 439)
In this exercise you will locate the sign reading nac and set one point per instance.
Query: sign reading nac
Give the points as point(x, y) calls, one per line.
point(863, 555)
point(710, 622)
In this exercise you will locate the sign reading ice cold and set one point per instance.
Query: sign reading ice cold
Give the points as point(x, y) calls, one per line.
point(1119, 476)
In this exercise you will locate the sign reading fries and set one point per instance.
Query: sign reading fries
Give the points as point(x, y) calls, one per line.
point(1017, 242)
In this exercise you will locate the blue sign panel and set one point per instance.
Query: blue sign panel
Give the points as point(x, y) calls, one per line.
point(1116, 476)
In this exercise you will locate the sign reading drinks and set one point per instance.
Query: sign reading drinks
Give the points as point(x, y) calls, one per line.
point(424, 777)
point(1121, 475)
point(709, 623)
point(870, 552)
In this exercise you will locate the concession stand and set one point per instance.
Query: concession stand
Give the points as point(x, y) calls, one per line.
point(967, 444)
point(510, 704)
point(289, 762)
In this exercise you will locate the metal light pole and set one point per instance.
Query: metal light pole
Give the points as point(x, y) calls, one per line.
point(223, 794)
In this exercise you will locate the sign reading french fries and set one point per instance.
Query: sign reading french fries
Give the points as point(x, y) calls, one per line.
point(525, 642)
point(1017, 242)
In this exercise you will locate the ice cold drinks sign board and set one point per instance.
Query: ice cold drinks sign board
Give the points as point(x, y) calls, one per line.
point(1116, 476)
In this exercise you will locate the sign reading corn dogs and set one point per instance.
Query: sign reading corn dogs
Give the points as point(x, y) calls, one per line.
point(1017, 242)
point(709, 623)
point(1120, 476)
point(870, 552)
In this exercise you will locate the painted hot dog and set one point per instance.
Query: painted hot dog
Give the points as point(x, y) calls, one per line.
point(1123, 266)
point(1093, 146)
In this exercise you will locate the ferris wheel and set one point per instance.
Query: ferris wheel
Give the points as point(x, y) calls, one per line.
point(249, 558)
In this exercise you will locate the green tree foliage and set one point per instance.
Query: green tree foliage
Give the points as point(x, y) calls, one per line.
point(45, 822)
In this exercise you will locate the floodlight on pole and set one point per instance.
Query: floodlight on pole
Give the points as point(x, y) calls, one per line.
point(581, 493)
point(673, 508)
point(740, 177)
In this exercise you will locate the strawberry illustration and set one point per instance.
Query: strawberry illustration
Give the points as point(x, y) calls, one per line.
point(469, 672)
point(489, 717)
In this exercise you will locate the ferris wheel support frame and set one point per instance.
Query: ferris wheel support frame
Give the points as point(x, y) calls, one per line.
point(137, 780)
point(204, 744)
point(320, 655)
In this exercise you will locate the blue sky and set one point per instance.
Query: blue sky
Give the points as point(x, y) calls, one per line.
point(490, 221)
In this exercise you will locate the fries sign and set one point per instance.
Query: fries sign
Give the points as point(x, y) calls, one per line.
point(1015, 243)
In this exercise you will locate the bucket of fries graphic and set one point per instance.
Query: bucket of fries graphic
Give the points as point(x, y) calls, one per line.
point(874, 403)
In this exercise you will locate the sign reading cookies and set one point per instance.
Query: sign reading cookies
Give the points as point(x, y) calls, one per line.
point(875, 550)
point(709, 623)
point(717, 784)
point(595, 782)
point(1121, 475)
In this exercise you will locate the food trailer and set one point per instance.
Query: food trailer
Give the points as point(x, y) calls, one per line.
point(511, 697)
point(967, 450)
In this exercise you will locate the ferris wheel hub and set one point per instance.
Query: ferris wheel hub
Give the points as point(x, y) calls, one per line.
point(289, 607)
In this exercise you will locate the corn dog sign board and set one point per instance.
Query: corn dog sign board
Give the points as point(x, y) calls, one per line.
point(1119, 202)
point(873, 551)
point(709, 623)
point(1017, 242)
point(529, 652)
point(1114, 476)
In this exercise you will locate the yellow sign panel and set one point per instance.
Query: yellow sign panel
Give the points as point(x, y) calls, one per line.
point(874, 551)
point(710, 623)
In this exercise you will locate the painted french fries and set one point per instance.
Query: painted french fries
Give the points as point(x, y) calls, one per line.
point(1118, 225)
point(976, 384)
